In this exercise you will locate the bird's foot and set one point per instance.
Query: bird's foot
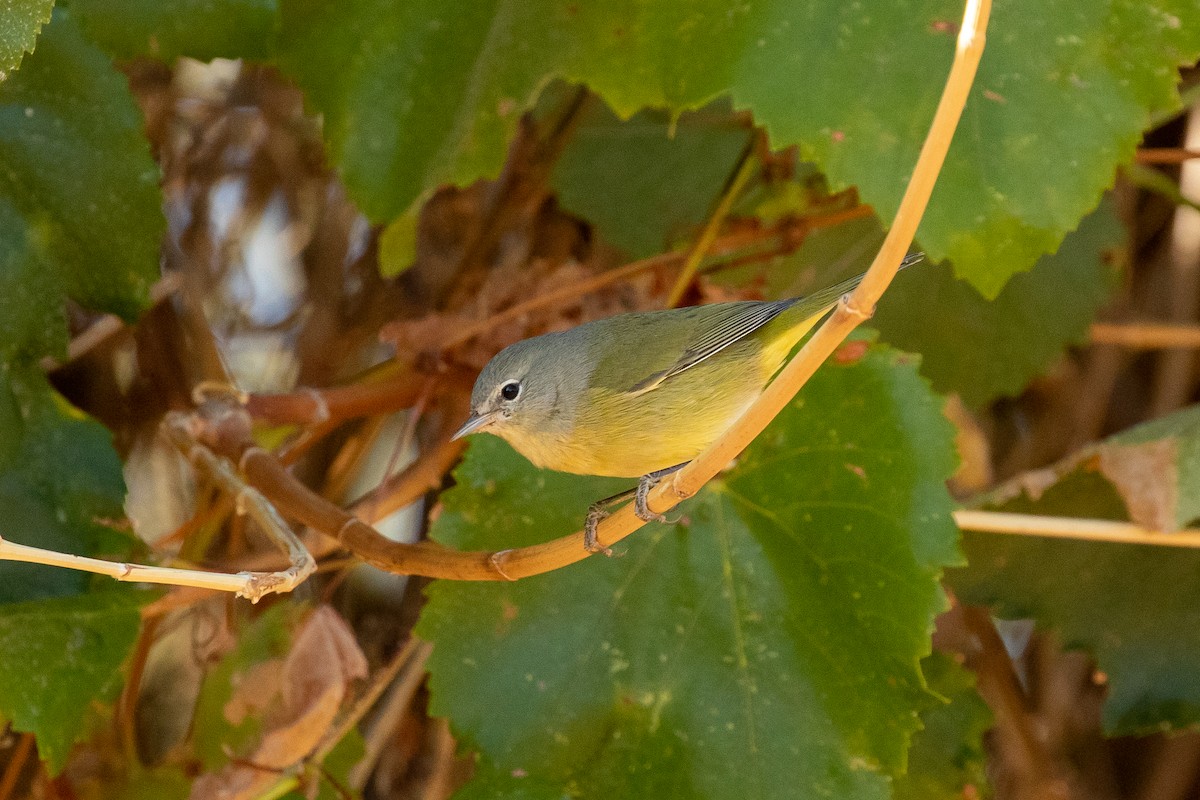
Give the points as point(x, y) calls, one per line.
point(591, 542)
point(641, 505)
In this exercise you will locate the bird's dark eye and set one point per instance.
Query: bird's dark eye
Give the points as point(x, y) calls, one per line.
point(510, 390)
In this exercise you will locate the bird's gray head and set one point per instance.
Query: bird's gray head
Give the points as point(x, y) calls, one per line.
point(519, 389)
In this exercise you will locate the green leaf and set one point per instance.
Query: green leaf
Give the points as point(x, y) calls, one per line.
point(647, 181)
point(766, 646)
point(1063, 94)
point(983, 349)
point(20, 22)
point(947, 754)
point(1150, 659)
point(59, 478)
point(167, 782)
point(978, 348)
point(60, 656)
point(79, 203)
point(167, 29)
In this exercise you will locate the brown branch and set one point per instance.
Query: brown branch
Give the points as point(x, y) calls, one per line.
point(1166, 155)
point(390, 387)
point(998, 685)
point(125, 716)
point(222, 425)
point(16, 765)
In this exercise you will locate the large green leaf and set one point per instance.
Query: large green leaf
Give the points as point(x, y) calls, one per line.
point(79, 202)
point(1152, 659)
point(984, 349)
point(167, 29)
point(80, 218)
point(645, 182)
point(765, 646)
point(58, 657)
point(20, 22)
point(435, 88)
point(978, 348)
point(59, 479)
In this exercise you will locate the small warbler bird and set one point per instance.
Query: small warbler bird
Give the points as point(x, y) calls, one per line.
point(641, 394)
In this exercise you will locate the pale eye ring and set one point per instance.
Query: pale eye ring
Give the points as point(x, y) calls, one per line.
point(511, 390)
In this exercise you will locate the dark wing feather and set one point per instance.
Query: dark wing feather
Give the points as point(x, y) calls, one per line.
point(743, 320)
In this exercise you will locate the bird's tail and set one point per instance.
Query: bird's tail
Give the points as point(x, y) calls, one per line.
point(825, 298)
point(803, 313)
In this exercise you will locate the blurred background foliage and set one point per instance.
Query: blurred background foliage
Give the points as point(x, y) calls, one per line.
point(288, 194)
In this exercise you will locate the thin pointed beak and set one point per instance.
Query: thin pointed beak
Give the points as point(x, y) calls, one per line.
point(474, 423)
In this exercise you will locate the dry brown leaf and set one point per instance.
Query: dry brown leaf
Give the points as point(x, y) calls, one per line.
point(313, 680)
point(1145, 476)
point(255, 690)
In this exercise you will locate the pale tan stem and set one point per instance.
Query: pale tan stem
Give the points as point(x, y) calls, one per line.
point(1094, 530)
point(133, 573)
point(1146, 335)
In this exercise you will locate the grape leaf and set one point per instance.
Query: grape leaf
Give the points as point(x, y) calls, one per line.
point(1150, 659)
point(58, 657)
point(20, 22)
point(1063, 93)
point(79, 203)
point(167, 29)
point(646, 181)
point(947, 754)
point(766, 646)
point(59, 478)
point(984, 349)
point(978, 348)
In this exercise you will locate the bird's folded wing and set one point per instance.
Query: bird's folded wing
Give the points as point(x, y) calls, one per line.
point(713, 333)
point(717, 327)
